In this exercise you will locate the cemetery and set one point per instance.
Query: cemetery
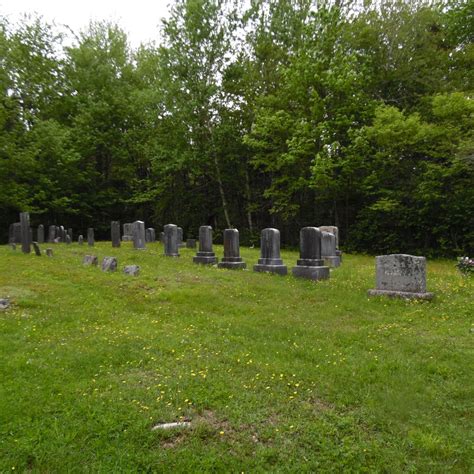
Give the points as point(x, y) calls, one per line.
point(236, 236)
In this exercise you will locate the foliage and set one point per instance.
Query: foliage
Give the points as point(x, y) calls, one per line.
point(465, 265)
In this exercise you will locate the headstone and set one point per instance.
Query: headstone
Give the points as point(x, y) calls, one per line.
point(37, 249)
point(139, 235)
point(25, 232)
point(57, 240)
point(69, 232)
point(310, 265)
point(13, 246)
point(90, 237)
point(109, 264)
point(270, 260)
point(40, 234)
point(4, 303)
point(49, 252)
point(150, 235)
point(191, 243)
point(335, 231)
point(68, 239)
point(30, 235)
point(181, 244)
point(132, 270)
point(232, 259)
point(17, 232)
point(171, 240)
point(90, 260)
point(402, 276)
point(127, 232)
point(205, 255)
point(51, 233)
point(115, 233)
point(80, 240)
point(162, 237)
point(62, 233)
point(328, 250)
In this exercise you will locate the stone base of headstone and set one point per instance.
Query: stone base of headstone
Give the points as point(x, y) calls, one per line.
point(230, 263)
point(311, 273)
point(402, 294)
point(90, 260)
point(132, 270)
point(332, 262)
point(109, 264)
point(37, 249)
point(205, 258)
point(49, 252)
point(271, 265)
point(191, 243)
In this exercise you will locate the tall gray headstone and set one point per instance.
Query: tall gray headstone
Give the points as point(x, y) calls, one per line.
point(180, 238)
point(270, 260)
point(40, 234)
point(171, 240)
point(335, 231)
point(162, 237)
point(232, 259)
point(62, 232)
point(328, 250)
point(90, 237)
point(127, 232)
point(115, 233)
point(69, 232)
point(150, 235)
point(205, 255)
point(402, 276)
point(310, 264)
point(25, 232)
point(51, 233)
point(68, 239)
point(17, 232)
point(139, 235)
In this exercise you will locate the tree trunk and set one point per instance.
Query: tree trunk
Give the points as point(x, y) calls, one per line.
point(249, 200)
point(221, 191)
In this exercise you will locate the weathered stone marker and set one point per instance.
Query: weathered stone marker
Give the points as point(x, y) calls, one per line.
point(69, 232)
point(139, 235)
point(90, 237)
point(150, 235)
point(63, 233)
point(232, 259)
point(40, 234)
point(80, 240)
point(49, 252)
point(270, 260)
point(191, 243)
point(109, 264)
point(13, 246)
point(132, 270)
point(4, 303)
point(171, 240)
point(162, 237)
point(68, 239)
point(328, 250)
point(332, 229)
point(90, 260)
point(37, 249)
point(205, 255)
point(127, 232)
point(25, 232)
point(180, 238)
point(402, 276)
point(115, 233)
point(51, 233)
point(310, 265)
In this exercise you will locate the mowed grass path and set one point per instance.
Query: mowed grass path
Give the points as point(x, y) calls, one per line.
point(276, 374)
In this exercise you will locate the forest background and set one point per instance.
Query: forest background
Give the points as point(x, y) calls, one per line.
point(282, 113)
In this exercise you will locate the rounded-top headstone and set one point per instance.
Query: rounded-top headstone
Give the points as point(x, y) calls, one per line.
point(270, 260)
point(205, 255)
point(170, 240)
point(310, 247)
point(232, 258)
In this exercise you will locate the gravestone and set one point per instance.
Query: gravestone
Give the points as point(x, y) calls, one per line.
point(335, 231)
point(62, 233)
point(4, 303)
point(49, 252)
point(205, 255)
point(40, 234)
point(139, 235)
point(270, 260)
point(37, 249)
point(69, 232)
point(90, 260)
point(171, 240)
point(328, 250)
point(17, 232)
point(80, 240)
point(162, 237)
point(57, 240)
point(25, 232)
point(30, 235)
point(127, 232)
point(402, 276)
point(90, 237)
point(232, 259)
point(51, 233)
point(68, 239)
point(132, 270)
point(180, 238)
point(13, 246)
point(191, 243)
point(310, 264)
point(109, 264)
point(150, 235)
point(115, 233)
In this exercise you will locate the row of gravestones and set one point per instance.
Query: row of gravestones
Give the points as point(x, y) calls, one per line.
point(110, 264)
point(397, 275)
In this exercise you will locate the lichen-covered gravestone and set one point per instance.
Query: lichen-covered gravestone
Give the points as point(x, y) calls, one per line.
point(132, 270)
point(109, 264)
point(310, 264)
point(232, 259)
point(270, 260)
point(90, 260)
point(402, 276)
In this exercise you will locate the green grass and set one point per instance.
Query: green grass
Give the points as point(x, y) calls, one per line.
point(276, 374)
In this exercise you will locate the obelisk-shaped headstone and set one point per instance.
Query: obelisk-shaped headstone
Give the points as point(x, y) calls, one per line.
point(90, 237)
point(115, 233)
point(171, 240)
point(25, 232)
point(139, 235)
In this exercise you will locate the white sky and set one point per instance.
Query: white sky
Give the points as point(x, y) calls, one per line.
point(140, 19)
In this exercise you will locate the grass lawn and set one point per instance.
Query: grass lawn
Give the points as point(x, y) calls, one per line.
point(275, 374)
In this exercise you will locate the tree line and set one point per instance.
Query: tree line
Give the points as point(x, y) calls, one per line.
point(281, 113)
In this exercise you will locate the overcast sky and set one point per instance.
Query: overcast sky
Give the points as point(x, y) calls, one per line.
point(139, 18)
